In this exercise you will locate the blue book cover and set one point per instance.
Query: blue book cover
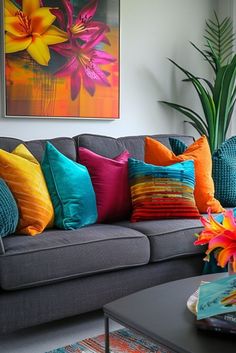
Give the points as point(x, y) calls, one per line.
point(217, 297)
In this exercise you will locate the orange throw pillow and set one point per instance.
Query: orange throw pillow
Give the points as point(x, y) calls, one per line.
point(158, 154)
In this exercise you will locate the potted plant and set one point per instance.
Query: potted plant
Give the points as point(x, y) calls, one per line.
point(217, 98)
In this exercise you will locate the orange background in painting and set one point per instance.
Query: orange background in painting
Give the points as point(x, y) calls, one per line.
point(30, 91)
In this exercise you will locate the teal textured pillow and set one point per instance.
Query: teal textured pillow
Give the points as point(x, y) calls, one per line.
point(224, 172)
point(177, 146)
point(70, 188)
point(9, 215)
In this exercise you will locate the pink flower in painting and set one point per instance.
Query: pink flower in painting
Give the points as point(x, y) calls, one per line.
point(83, 66)
point(82, 53)
point(83, 27)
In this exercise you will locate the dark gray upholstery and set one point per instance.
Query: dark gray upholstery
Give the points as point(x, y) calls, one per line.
point(104, 145)
point(65, 145)
point(111, 147)
point(9, 143)
point(60, 255)
point(33, 306)
point(135, 144)
point(169, 238)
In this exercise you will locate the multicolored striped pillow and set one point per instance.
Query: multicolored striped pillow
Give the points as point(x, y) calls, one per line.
point(162, 192)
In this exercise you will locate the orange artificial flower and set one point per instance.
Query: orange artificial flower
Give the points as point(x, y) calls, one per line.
point(220, 238)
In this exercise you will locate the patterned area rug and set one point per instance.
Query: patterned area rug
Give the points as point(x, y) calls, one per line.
point(121, 341)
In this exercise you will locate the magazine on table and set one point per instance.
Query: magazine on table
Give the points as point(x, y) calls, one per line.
point(217, 297)
point(216, 306)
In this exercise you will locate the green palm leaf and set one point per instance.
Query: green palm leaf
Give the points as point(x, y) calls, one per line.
point(196, 118)
point(217, 97)
point(220, 38)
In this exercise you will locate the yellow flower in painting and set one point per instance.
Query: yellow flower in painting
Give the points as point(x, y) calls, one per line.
point(31, 29)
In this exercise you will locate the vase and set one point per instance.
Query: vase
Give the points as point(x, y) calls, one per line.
point(230, 268)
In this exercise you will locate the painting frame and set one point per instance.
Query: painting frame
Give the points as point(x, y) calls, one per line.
point(97, 101)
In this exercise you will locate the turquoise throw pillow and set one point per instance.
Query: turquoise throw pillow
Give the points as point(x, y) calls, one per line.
point(224, 172)
point(177, 146)
point(70, 188)
point(9, 215)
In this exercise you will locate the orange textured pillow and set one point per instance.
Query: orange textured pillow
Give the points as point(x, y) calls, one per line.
point(158, 154)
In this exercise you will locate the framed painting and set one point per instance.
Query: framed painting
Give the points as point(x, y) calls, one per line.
point(60, 58)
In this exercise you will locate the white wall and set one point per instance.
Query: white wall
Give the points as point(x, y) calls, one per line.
point(228, 8)
point(151, 31)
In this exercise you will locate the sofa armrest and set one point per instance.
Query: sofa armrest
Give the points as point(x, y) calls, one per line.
point(2, 249)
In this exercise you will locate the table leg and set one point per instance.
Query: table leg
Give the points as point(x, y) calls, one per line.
point(107, 345)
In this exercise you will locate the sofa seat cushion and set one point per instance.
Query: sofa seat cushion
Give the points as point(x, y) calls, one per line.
point(169, 238)
point(57, 255)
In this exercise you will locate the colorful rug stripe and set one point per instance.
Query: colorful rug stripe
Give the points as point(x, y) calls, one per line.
point(121, 341)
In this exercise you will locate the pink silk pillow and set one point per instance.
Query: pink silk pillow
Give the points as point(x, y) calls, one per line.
point(110, 183)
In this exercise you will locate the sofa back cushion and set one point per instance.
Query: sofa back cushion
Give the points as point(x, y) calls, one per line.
point(111, 147)
point(135, 144)
point(65, 145)
point(106, 146)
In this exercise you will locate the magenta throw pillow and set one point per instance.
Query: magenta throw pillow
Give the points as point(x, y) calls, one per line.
point(110, 183)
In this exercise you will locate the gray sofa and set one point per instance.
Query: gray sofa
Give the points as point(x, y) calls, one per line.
point(60, 273)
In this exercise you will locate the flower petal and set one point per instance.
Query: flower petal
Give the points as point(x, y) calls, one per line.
point(91, 29)
point(9, 8)
point(219, 241)
point(14, 44)
point(214, 224)
point(94, 40)
point(87, 12)
point(60, 17)
point(101, 57)
point(64, 49)
point(69, 11)
point(42, 20)
point(69, 68)
point(75, 82)
point(29, 6)
point(228, 221)
point(225, 255)
point(89, 85)
point(54, 35)
point(13, 26)
point(39, 51)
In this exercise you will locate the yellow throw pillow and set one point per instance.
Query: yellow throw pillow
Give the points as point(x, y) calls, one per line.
point(23, 174)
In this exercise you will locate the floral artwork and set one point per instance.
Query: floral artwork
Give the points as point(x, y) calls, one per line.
point(62, 58)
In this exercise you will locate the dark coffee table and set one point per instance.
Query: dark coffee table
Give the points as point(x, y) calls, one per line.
point(160, 314)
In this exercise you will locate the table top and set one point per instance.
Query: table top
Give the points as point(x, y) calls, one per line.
point(160, 313)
